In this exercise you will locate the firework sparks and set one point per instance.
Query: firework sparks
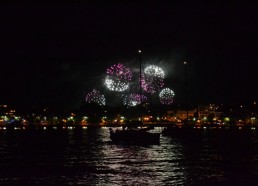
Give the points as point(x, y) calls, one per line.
point(118, 78)
point(134, 99)
point(95, 97)
point(152, 79)
point(166, 96)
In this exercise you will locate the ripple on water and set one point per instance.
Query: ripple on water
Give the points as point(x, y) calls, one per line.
point(88, 157)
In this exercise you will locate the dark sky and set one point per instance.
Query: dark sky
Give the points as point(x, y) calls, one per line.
point(52, 55)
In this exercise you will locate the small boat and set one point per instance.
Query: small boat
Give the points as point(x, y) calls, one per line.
point(134, 136)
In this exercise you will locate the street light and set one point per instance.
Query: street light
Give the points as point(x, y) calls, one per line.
point(185, 63)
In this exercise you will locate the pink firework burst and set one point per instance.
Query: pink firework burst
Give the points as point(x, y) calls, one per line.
point(134, 99)
point(118, 77)
point(152, 79)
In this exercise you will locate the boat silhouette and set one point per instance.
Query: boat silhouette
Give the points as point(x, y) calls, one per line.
point(134, 136)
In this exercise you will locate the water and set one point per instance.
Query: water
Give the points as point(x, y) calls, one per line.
point(88, 157)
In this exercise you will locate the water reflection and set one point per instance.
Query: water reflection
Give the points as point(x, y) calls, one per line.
point(87, 156)
point(138, 164)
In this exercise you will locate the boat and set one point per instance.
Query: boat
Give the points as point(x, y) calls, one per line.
point(134, 136)
point(134, 131)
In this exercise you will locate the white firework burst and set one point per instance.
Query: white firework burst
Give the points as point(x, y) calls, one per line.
point(152, 79)
point(166, 96)
point(95, 97)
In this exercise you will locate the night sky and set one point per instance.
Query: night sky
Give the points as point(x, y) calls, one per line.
point(52, 55)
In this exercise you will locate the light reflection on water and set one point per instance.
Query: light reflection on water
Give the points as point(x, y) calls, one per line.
point(88, 157)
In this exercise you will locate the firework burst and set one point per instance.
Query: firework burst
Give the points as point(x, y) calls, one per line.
point(152, 79)
point(118, 77)
point(95, 97)
point(134, 99)
point(166, 96)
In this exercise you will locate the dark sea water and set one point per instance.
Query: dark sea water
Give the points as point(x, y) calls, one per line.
point(88, 157)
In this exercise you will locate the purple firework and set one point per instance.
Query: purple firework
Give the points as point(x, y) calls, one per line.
point(118, 77)
point(134, 99)
point(152, 79)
